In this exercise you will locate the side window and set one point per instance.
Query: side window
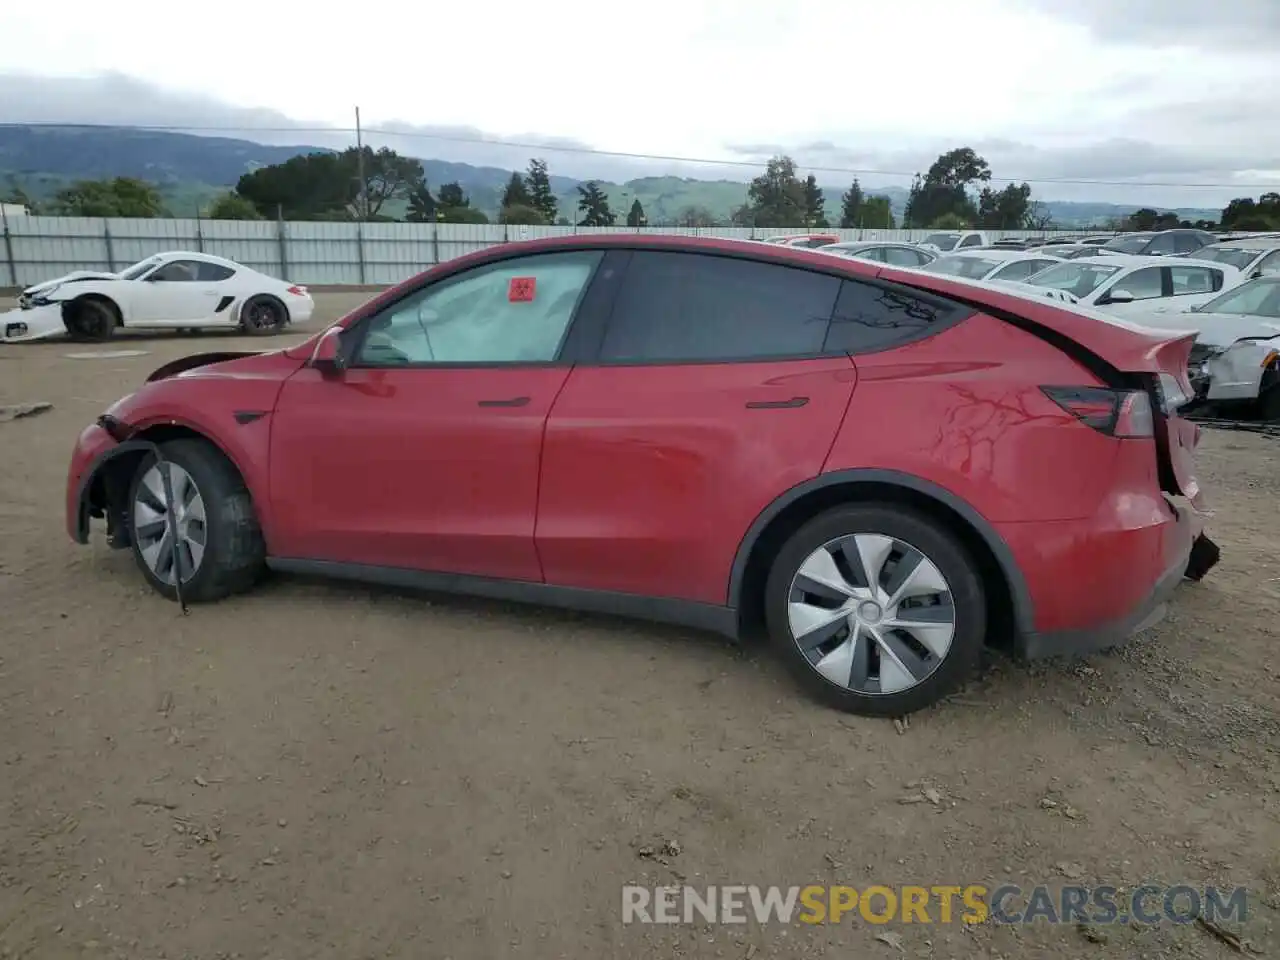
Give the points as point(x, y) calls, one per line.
point(515, 311)
point(213, 272)
point(178, 271)
point(972, 240)
point(901, 256)
point(1186, 243)
point(1194, 280)
point(1269, 265)
point(1162, 245)
point(1018, 270)
point(878, 254)
point(923, 258)
point(1142, 284)
point(692, 306)
point(870, 317)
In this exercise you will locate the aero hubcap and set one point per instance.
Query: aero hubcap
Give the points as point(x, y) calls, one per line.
point(154, 524)
point(871, 613)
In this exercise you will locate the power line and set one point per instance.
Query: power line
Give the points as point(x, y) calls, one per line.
point(620, 154)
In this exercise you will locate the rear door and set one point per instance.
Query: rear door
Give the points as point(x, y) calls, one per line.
point(710, 395)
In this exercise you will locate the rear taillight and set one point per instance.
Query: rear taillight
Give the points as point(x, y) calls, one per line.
point(298, 291)
point(1125, 414)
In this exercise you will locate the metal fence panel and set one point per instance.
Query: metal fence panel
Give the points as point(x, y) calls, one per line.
point(313, 253)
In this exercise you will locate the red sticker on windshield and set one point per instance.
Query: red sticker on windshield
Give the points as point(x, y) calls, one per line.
point(522, 289)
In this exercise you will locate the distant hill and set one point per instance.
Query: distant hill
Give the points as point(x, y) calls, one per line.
point(190, 170)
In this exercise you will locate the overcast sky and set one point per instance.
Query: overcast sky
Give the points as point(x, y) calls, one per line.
point(1154, 91)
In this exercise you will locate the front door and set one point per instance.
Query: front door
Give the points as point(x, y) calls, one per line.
point(424, 453)
point(175, 294)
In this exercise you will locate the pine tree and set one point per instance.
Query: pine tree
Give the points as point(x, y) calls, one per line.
point(594, 206)
point(814, 214)
point(636, 217)
point(515, 194)
point(538, 186)
point(851, 211)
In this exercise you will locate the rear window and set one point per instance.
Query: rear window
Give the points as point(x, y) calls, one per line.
point(943, 241)
point(698, 307)
point(1238, 257)
point(971, 268)
point(1128, 244)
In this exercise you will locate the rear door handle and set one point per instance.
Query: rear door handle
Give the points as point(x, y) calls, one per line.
point(512, 402)
point(776, 404)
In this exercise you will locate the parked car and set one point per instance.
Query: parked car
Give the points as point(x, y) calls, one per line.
point(177, 290)
point(810, 240)
point(1097, 240)
point(948, 241)
point(1130, 284)
point(993, 264)
point(716, 433)
point(1162, 243)
point(1235, 361)
point(1252, 257)
point(883, 251)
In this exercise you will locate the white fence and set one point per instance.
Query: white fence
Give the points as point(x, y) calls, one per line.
point(318, 254)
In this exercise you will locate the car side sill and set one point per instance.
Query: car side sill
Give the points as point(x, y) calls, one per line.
point(685, 613)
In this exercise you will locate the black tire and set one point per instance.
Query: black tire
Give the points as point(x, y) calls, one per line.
point(91, 319)
point(263, 316)
point(940, 546)
point(1269, 403)
point(234, 553)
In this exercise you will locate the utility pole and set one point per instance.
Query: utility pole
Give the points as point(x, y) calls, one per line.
point(362, 204)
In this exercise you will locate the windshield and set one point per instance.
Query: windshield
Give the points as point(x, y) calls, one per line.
point(1258, 298)
point(1080, 279)
point(1133, 244)
point(943, 241)
point(139, 268)
point(972, 268)
point(1237, 257)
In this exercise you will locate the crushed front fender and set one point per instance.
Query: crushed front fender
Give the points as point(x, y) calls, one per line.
point(38, 323)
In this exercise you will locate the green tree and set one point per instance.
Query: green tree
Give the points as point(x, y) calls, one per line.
point(454, 206)
point(522, 214)
point(944, 188)
point(461, 215)
point(387, 175)
point(516, 194)
point(814, 202)
point(1149, 219)
point(232, 206)
point(593, 204)
point(635, 216)
point(851, 206)
point(422, 205)
point(877, 214)
point(119, 197)
point(1007, 209)
point(451, 196)
point(950, 221)
point(326, 186)
point(777, 198)
point(537, 183)
point(1244, 213)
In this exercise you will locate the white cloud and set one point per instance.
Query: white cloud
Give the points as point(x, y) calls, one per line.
point(1112, 92)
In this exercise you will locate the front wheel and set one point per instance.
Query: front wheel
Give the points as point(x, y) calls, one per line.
point(262, 316)
point(199, 527)
point(90, 319)
point(877, 609)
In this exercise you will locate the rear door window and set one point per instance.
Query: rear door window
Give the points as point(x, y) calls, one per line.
point(869, 317)
point(691, 307)
point(1144, 284)
point(1188, 280)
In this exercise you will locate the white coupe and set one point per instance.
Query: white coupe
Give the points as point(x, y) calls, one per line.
point(1134, 285)
point(173, 291)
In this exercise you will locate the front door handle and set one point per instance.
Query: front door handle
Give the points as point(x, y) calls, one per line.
point(512, 402)
point(776, 404)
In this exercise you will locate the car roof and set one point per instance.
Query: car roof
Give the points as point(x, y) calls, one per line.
point(1136, 261)
point(1247, 243)
point(996, 253)
point(859, 244)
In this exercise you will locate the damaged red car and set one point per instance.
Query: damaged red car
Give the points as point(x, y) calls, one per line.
point(879, 469)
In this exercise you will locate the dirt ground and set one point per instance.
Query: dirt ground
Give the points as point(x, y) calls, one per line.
point(326, 771)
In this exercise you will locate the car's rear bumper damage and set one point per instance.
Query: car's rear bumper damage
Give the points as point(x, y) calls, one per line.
point(1190, 556)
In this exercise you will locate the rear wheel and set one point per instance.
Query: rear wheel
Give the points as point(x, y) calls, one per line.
point(262, 316)
point(877, 609)
point(91, 319)
point(207, 534)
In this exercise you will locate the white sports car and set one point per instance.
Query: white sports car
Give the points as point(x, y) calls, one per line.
point(175, 291)
point(1134, 285)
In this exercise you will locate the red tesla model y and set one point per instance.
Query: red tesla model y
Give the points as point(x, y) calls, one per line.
point(879, 468)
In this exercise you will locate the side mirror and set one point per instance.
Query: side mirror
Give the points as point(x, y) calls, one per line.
point(1256, 274)
point(1120, 296)
point(327, 357)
